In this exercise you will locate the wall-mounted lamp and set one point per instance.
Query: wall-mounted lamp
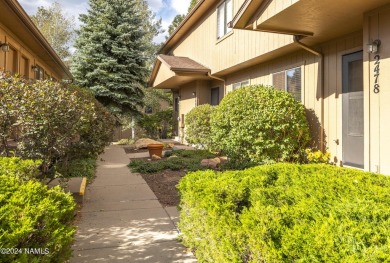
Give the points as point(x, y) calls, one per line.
point(4, 47)
point(373, 47)
point(193, 93)
point(179, 97)
point(34, 68)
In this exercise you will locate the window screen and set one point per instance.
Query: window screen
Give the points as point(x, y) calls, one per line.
point(293, 77)
point(279, 80)
point(225, 15)
point(290, 81)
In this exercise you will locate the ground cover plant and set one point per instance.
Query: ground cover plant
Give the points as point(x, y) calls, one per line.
point(174, 160)
point(286, 213)
point(33, 216)
point(260, 125)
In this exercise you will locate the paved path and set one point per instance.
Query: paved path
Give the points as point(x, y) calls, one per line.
point(122, 220)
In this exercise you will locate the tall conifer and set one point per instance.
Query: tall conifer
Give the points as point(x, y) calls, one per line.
point(114, 47)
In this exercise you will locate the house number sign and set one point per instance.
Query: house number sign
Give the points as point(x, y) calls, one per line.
point(376, 73)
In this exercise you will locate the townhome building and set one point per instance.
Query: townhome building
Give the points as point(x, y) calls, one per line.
point(332, 56)
point(23, 48)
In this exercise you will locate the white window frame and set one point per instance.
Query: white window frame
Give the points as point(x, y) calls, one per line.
point(240, 84)
point(286, 82)
point(222, 23)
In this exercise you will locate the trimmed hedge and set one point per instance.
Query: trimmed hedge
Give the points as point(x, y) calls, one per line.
point(33, 216)
point(286, 213)
point(198, 129)
point(261, 125)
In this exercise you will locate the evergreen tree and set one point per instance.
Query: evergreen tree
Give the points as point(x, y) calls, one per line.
point(179, 18)
point(114, 49)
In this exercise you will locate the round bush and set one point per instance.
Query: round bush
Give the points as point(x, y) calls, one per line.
point(33, 216)
point(198, 125)
point(260, 124)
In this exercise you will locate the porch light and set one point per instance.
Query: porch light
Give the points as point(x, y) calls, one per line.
point(193, 93)
point(4, 47)
point(34, 68)
point(373, 47)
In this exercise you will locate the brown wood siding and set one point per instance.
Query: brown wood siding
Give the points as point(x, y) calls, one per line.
point(12, 61)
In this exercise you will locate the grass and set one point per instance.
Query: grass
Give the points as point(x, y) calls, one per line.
point(184, 160)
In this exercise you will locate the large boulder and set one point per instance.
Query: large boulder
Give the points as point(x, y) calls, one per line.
point(143, 143)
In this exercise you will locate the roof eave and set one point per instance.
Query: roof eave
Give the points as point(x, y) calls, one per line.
point(26, 20)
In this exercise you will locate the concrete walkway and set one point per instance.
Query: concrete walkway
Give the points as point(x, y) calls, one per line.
point(122, 220)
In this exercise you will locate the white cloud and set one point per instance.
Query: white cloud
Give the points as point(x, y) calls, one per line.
point(181, 6)
point(156, 5)
point(164, 9)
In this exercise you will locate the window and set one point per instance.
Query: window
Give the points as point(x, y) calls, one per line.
point(39, 73)
point(290, 81)
point(225, 15)
point(240, 84)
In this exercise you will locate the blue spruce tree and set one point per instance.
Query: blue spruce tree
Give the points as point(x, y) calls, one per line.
point(114, 48)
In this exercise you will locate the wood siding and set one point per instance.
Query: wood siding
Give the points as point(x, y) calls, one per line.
point(236, 47)
point(377, 121)
point(20, 58)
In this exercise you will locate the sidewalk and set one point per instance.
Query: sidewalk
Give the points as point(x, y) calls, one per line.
point(122, 220)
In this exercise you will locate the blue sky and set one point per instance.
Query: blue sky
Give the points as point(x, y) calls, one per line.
point(164, 9)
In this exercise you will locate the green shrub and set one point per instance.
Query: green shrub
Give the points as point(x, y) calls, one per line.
point(78, 168)
point(33, 216)
point(158, 124)
point(185, 159)
point(197, 124)
point(286, 213)
point(56, 123)
point(22, 169)
point(260, 124)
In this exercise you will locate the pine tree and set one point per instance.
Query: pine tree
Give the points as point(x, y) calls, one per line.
point(179, 18)
point(114, 47)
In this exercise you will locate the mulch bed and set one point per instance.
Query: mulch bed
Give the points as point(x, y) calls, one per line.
point(163, 185)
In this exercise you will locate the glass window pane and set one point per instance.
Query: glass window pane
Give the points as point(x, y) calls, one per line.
point(245, 83)
point(294, 82)
point(279, 80)
point(221, 21)
point(229, 14)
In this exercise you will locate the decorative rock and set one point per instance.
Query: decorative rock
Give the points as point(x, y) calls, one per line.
point(172, 156)
point(204, 162)
point(156, 157)
point(223, 159)
point(213, 163)
point(143, 143)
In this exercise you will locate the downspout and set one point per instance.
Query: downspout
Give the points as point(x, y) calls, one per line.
point(224, 82)
point(297, 39)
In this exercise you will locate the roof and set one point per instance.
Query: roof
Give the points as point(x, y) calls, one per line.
point(177, 66)
point(15, 18)
point(182, 64)
point(198, 11)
